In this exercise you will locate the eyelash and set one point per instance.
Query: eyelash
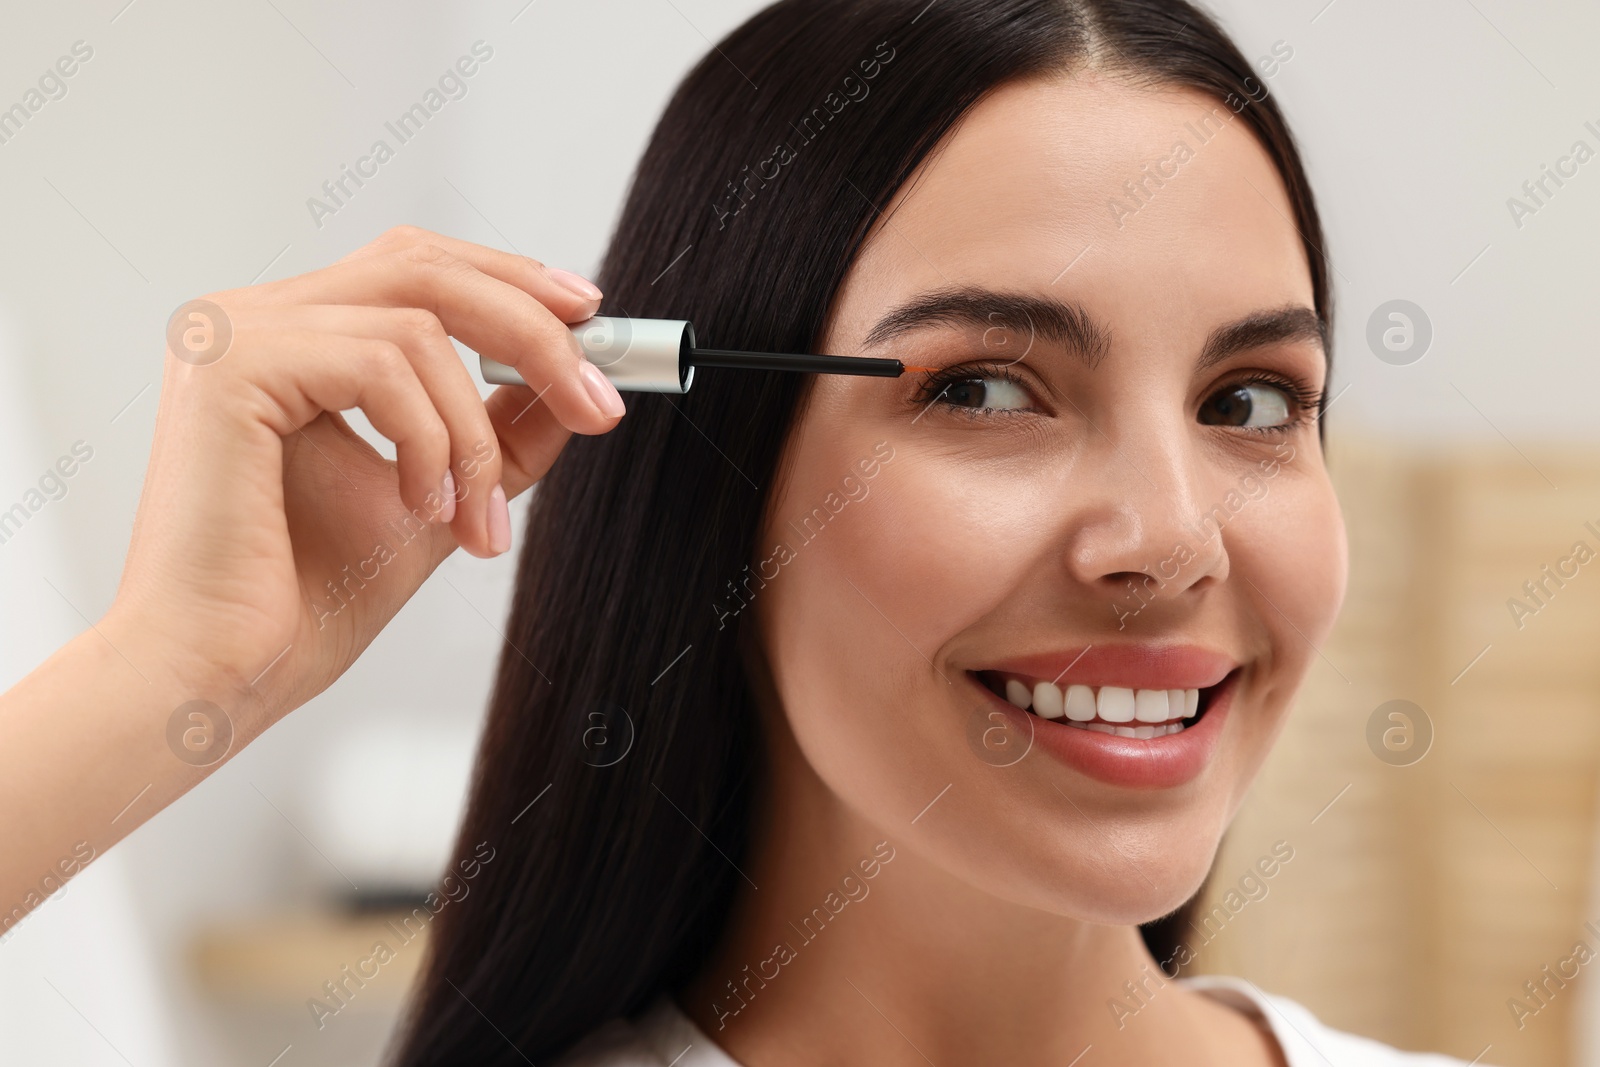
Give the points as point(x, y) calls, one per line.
point(936, 382)
point(1306, 400)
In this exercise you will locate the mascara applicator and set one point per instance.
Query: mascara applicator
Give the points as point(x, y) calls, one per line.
point(660, 356)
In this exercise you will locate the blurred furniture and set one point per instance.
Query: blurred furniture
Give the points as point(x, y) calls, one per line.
point(262, 977)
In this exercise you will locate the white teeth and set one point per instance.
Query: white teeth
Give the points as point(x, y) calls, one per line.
point(1115, 704)
point(1080, 703)
point(1142, 733)
point(1151, 705)
point(1047, 701)
point(1157, 710)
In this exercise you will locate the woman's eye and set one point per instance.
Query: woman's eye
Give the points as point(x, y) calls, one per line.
point(1253, 405)
point(985, 394)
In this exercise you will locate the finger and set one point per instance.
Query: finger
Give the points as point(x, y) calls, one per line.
point(530, 436)
point(475, 516)
point(297, 374)
point(570, 296)
point(488, 315)
point(530, 440)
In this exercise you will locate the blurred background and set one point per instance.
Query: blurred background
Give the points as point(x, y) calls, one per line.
point(1443, 848)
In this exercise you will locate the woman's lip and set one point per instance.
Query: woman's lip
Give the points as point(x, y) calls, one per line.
point(1130, 666)
point(1155, 763)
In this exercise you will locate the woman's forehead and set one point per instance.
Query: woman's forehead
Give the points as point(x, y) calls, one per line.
point(1126, 198)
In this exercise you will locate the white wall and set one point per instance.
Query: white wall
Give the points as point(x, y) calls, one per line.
point(181, 158)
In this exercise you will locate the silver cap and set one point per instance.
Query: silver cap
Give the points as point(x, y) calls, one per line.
point(637, 355)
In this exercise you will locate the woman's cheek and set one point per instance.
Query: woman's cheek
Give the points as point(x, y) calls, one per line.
point(1293, 550)
point(1317, 578)
point(933, 548)
point(854, 621)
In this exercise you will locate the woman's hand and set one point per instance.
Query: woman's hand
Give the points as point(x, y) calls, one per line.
point(272, 543)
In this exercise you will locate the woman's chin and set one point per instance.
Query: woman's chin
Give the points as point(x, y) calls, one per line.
point(1125, 899)
point(1139, 908)
point(1105, 867)
point(1100, 885)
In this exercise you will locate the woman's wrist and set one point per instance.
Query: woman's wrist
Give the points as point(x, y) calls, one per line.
point(176, 676)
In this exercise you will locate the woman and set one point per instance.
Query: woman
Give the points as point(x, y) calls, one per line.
point(844, 719)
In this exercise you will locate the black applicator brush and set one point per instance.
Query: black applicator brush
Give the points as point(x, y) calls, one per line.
point(659, 356)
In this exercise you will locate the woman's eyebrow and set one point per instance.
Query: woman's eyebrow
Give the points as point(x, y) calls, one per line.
point(1063, 322)
point(1271, 326)
point(1068, 325)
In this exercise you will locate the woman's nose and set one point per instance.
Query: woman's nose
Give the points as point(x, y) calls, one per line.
point(1138, 527)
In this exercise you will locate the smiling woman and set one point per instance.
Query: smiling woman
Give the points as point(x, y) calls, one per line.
point(945, 673)
point(1099, 387)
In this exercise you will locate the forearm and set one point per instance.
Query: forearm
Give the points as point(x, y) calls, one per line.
point(85, 758)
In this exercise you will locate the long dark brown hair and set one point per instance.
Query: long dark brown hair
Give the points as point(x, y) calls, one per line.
point(610, 878)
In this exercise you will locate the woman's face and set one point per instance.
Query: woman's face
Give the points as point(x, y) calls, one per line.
point(1112, 496)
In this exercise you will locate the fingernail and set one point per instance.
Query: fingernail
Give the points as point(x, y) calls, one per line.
point(499, 521)
point(601, 391)
point(448, 511)
point(577, 283)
